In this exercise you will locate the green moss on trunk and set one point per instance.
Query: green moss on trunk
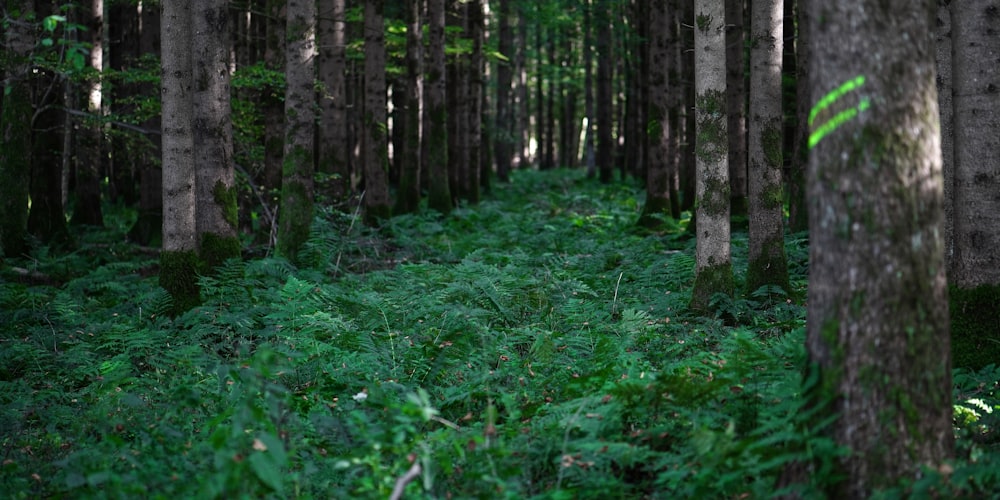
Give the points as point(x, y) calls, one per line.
point(717, 278)
point(217, 249)
point(179, 277)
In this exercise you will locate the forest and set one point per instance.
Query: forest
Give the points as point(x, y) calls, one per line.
point(500, 249)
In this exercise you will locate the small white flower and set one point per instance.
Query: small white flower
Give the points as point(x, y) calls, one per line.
point(361, 396)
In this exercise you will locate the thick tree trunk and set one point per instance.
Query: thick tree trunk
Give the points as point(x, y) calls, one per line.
point(878, 330)
point(946, 109)
point(179, 260)
point(436, 113)
point(216, 211)
point(975, 204)
point(296, 212)
point(376, 161)
point(767, 264)
point(712, 254)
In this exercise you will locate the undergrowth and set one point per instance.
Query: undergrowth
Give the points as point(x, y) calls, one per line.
point(534, 346)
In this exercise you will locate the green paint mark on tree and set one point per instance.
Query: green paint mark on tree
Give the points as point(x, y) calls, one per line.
point(818, 132)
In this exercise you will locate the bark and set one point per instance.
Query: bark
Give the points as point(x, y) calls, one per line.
point(15, 148)
point(333, 148)
point(798, 216)
point(605, 73)
point(975, 204)
point(216, 213)
point(688, 166)
point(589, 160)
point(504, 132)
point(767, 264)
point(178, 262)
point(47, 219)
point(945, 86)
point(87, 209)
point(296, 212)
point(660, 147)
point(376, 161)
point(878, 331)
point(408, 197)
point(474, 109)
point(436, 113)
point(274, 108)
point(148, 227)
point(713, 266)
point(736, 104)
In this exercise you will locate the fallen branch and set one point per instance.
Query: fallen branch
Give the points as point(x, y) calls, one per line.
point(397, 491)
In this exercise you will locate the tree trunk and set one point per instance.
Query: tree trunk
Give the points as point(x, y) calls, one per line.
point(296, 212)
point(589, 160)
point(333, 147)
point(975, 204)
point(377, 204)
point(714, 270)
point(766, 264)
point(688, 165)
point(148, 227)
point(15, 150)
point(87, 209)
point(216, 212)
point(47, 219)
point(179, 260)
point(878, 330)
point(736, 103)
point(798, 216)
point(474, 110)
point(436, 113)
point(658, 164)
point(946, 107)
point(408, 197)
point(274, 108)
point(605, 119)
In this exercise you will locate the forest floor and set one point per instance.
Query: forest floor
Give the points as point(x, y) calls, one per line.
point(537, 345)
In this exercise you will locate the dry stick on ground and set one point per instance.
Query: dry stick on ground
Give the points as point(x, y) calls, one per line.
point(397, 491)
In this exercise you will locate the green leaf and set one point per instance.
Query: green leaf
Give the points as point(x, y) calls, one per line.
point(52, 22)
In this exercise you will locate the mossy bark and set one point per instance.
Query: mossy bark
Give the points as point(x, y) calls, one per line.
point(179, 277)
point(878, 327)
point(712, 253)
point(297, 185)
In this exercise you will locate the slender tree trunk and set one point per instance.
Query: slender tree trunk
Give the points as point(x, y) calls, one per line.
point(436, 112)
point(474, 116)
point(975, 203)
point(296, 212)
point(376, 147)
point(658, 166)
point(736, 104)
point(767, 264)
point(408, 198)
point(274, 107)
point(798, 216)
point(148, 227)
point(47, 219)
point(179, 259)
point(946, 109)
point(688, 170)
point(589, 159)
point(504, 131)
point(878, 327)
point(523, 138)
point(15, 150)
point(87, 209)
point(714, 270)
point(674, 100)
point(333, 146)
point(216, 210)
point(605, 120)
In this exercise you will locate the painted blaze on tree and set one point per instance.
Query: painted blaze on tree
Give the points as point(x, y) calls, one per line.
point(878, 308)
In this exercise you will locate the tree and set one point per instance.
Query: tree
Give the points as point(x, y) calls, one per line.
point(504, 130)
point(408, 197)
point(975, 260)
point(660, 141)
point(91, 145)
point(296, 212)
point(216, 211)
point(15, 150)
point(333, 150)
point(878, 331)
point(714, 270)
point(376, 148)
point(436, 112)
point(179, 259)
point(767, 264)
point(605, 74)
point(736, 103)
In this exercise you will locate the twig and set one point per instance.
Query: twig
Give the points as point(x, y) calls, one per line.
point(614, 301)
point(397, 491)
